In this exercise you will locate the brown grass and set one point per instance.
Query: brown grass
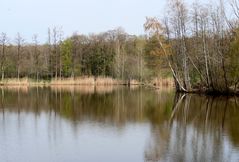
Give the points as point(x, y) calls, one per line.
point(21, 82)
point(163, 82)
point(63, 81)
point(134, 82)
point(87, 81)
point(72, 81)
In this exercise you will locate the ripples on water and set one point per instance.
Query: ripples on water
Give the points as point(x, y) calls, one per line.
point(64, 124)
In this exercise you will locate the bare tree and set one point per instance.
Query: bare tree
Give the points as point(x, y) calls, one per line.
point(19, 41)
point(235, 7)
point(55, 51)
point(3, 41)
point(50, 57)
point(179, 18)
point(57, 38)
point(36, 56)
point(60, 39)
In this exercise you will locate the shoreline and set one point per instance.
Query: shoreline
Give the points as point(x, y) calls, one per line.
point(81, 81)
point(156, 83)
point(87, 81)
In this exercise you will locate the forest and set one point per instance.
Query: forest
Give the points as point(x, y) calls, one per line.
point(113, 54)
point(197, 45)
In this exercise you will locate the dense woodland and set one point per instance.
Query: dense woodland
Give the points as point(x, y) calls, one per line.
point(112, 54)
point(199, 44)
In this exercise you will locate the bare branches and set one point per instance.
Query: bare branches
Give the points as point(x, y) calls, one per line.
point(235, 7)
point(200, 44)
point(3, 42)
point(19, 41)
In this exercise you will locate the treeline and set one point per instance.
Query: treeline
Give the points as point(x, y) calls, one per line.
point(198, 43)
point(201, 44)
point(112, 54)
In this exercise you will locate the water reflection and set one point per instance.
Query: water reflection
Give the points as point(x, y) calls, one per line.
point(113, 106)
point(200, 128)
point(116, 124)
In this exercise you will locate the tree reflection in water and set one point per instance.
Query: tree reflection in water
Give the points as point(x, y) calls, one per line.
point(183, 127)
point(200, 128)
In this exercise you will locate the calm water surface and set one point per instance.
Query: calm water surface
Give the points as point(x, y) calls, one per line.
point(116, 124)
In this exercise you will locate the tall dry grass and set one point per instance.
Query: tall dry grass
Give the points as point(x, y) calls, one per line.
point(73, 81)
point(14, 81)
point(162, 82)
point(21, 82)
point(63, 81)
point(87, 81)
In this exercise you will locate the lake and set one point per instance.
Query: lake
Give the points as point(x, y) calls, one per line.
point(116, 124)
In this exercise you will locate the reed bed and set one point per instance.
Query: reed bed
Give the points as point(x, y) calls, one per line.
point(85, 81)
point(134, 82)
point(73, 81)
point(22, 82)
point(163, 82)
point(14, 81)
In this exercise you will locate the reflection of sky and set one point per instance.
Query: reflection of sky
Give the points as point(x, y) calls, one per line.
point(65, 124)
point(85, 16)
point(50, 138)
point(229, 150)
point(187, 143)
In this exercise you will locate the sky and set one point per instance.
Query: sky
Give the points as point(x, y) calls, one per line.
point(29, 17)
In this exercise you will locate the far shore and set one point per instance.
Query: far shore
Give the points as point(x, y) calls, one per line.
point(156, 83)
point(85, 81)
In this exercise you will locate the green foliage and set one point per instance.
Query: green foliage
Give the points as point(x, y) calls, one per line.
point(112, 54)
point(98, 60)
point(10, 70)
point(234, 56)
point(66, 57)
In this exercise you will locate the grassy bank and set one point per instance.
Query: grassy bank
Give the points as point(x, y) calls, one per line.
point(67, 81)
point(88, 81)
